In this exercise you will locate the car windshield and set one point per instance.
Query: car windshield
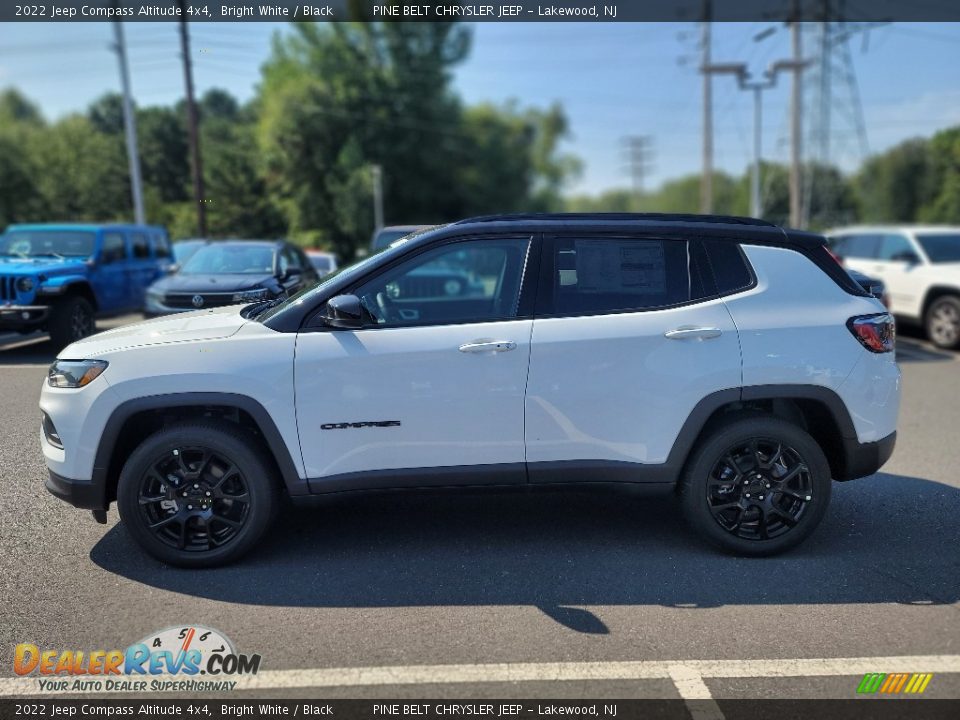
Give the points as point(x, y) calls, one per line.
point(385, 237)
point(940, 247)
point(46, 243)
point(239, 259)
point(184, 250)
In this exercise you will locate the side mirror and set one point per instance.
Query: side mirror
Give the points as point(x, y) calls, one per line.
point(907, 256)
point(344, 311)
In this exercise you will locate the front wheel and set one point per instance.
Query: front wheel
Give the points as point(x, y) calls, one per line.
point(71, 320)
point(197, 494)
point(756, 486)
point(943, 322)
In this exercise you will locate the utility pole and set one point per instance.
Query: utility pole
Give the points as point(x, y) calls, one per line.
point(192, 126)
point(740, 71)
point(377, 176)
point(638, 150)
point(129, 126)
point(706, 179)
point(756, 202)
point(796, 129)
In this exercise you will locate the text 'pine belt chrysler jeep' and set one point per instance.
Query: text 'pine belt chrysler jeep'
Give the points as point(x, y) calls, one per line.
point(60, 277)
point(727, 358)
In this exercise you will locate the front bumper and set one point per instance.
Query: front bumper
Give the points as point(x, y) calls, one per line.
point(86, 494)
point(22, 316)
point(862, 459)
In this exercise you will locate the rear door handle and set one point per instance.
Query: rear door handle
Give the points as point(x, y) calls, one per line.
point(481, 346)
point(693, 333)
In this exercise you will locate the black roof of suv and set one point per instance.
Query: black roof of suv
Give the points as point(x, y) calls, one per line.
point(750, 231)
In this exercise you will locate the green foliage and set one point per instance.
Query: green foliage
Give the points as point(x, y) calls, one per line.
point(944, 186)
point(338, 99)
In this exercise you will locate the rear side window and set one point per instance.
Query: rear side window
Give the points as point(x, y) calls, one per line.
point(718, 268)
point(608, 274)
point(141, 248)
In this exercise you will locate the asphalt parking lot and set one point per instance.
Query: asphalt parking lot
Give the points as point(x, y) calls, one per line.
point(518, 594)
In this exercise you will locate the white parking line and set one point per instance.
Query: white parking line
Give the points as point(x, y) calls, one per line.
point(687, 675)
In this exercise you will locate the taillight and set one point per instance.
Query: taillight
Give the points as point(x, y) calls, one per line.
point(877, 333)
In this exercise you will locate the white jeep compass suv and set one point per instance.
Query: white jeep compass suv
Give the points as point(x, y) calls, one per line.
point(728, 358)
point(920, 267)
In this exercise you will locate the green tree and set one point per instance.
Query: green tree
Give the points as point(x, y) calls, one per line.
point(82, 173)
point(106, 114)
point(943, 179)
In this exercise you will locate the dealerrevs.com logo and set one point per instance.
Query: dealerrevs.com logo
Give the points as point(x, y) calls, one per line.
point(169, 660)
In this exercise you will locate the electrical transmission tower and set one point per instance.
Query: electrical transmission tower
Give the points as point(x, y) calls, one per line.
point(836, 133)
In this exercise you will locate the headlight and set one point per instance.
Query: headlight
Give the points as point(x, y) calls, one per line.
point(25, 284)
point(251, 295)
point(74, 373)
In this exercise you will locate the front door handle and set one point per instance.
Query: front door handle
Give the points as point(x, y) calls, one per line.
point(693, 333)
point(481, 346)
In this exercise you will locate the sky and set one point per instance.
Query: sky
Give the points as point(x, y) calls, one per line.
point(613, 80)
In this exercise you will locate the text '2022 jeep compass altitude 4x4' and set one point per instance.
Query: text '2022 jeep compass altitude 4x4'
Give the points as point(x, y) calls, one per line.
point(728, 357)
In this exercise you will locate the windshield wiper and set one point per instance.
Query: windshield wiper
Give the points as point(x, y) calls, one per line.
point(54, 254)
point(255, 310)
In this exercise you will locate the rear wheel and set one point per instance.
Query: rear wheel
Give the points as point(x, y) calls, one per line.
point(71, 319)
point(943, 322)
point(756, 486)
point(197, 494)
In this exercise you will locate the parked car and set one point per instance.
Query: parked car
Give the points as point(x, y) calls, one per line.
point(229, 272)
point(60, 277)
point(729, 359)
point(323, 262)
point(391, 233)
point(920, 267)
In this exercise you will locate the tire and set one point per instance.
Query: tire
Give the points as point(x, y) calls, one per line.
point(71, 319)
point(780, 512)
point(215, 491)
point(942, 322)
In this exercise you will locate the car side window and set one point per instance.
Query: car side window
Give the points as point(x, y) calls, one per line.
point(858, 246)
point(141, 247)
point(292, 259)
point(894, 247)
point(717, 268)
point(161, 246)
point(610, 274)
point(114, 248)
point(461, 282)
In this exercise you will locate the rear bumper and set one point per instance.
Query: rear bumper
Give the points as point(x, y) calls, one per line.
point(86, 494)
point(862, 459)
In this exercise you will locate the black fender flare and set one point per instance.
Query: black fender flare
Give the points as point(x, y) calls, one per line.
point(122, 413)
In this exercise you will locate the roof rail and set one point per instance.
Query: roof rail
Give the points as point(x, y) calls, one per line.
point(621, 216)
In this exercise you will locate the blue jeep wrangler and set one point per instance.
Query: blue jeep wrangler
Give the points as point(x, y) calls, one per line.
point(60, 277)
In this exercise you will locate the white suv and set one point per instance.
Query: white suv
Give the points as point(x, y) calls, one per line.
point(727, 358)
point(920, 266)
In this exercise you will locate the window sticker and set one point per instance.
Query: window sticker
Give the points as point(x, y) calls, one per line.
point(616, 266)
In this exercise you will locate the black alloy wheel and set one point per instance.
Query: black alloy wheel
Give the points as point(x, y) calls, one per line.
point(759, 489)
point(194, 499)
point(756, 485)
point(198, 494)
